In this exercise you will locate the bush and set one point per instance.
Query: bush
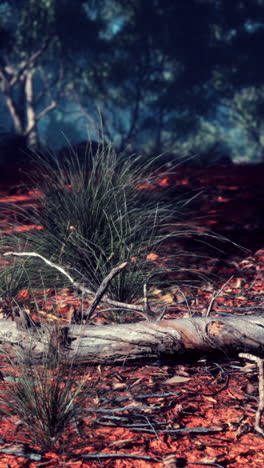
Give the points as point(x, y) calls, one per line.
point(47, 400)
point(95, 215)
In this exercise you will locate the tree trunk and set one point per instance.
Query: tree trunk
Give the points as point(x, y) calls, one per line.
point(10, 103)
point(115, 343)
point(31, 130)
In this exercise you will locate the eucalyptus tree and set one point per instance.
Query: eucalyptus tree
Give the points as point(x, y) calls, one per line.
point(40, 38)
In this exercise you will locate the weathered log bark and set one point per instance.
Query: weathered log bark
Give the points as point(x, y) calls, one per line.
point(112, 343)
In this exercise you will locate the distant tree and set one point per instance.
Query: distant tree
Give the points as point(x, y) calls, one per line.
point(244, 112)
point(238, 78)
point(29, 36)
point(38, 40)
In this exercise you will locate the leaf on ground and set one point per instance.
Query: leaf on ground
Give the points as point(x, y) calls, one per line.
point(177, 379)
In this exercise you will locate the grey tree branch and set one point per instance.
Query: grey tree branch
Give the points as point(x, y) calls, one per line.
point(76, 284)
point(39, 116)
point(102, 289)
point(216, 294)
point(27, 64)
point(259, 361)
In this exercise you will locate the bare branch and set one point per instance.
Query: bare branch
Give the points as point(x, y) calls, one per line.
point(259, 361)
point(76, 284)
point(146, 302)
point(216, 294)
point(47, 109)
point(102, 288)
point(29, 63)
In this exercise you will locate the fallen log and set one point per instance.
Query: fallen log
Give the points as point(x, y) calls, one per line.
point(147, 339)
point(128, 342)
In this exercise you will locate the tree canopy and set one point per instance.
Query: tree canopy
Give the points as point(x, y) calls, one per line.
point(160, 72)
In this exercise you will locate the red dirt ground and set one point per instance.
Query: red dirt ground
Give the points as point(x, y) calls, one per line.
point(179, 413)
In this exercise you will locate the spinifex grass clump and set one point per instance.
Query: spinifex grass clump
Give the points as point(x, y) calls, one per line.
point(12, 280)
point(94, 216)
point(48, 401)
point(16, 290)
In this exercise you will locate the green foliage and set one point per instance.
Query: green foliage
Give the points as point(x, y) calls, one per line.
point(244, 112)
point(33, 24)
point(208, 145)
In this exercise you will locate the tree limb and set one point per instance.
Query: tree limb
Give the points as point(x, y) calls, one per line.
point(260, 409)
point(102, 288)
point(27, 64)
point(39, 116)
point(47, 109)
point(76, 284)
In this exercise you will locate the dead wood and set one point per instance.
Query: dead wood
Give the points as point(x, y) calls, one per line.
point(146, 339)
point(126, 342)
point(102, 289)
point(260, 409)
point(83, 288)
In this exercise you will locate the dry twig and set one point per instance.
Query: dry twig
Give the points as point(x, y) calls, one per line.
point(216, 294)
point(81, 287)
point(259, 362)
point(102, 288)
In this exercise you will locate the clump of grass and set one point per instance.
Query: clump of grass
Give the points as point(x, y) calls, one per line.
point(95, 216)
point(12, 280)
point(16, 292)
point(48, 400)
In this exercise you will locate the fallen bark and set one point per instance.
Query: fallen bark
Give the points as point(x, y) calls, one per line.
point(127, 342)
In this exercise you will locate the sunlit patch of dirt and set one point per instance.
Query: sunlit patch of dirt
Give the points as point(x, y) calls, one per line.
point(25, 228)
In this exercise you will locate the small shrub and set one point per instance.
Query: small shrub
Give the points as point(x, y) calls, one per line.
point(94, 216)
point(47, 400)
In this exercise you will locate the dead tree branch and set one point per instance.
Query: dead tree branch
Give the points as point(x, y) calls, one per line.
point(102, 289)
point(76, 284)
point(259, 361)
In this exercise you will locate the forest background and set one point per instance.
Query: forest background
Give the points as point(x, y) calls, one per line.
point(183, 77)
